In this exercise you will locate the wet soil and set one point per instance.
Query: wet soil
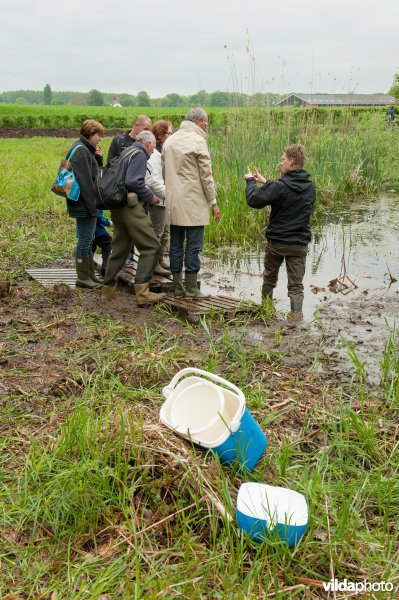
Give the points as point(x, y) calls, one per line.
point(39, 327)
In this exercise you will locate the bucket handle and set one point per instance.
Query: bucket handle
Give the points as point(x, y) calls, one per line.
point(167, 390)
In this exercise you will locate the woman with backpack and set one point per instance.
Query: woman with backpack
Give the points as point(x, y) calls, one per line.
point(85, 156)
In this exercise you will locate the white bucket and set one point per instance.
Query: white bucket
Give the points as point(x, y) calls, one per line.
point(196, 408)
point(219, 421)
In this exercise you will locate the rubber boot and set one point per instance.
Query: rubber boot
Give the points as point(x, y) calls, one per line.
point(84, 279)
point(296, 306)
point(108, 292)
point(92, 271)
point(159, 270)
point(144, 297)
point(178, 287)
point(192, 290)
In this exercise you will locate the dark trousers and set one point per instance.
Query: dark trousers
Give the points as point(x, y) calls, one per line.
point(193, 237)
point(132, 225)
point(295, 261)
point(85, 229)
point(104, 243)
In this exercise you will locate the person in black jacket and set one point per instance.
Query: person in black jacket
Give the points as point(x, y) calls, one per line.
point(288, 233)
point(125, 140)
point(85, 161)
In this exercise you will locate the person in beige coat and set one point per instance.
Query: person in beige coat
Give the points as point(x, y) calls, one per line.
point(189, 192)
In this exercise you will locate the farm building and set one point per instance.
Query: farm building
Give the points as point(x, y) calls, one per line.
point(348, 99)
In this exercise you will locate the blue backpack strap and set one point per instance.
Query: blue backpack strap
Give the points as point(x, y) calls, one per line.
point(73, 151)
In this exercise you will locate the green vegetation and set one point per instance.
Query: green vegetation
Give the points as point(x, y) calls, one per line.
point(201, 98)
point(100, 501)
point(347, 156)
point(395, 87)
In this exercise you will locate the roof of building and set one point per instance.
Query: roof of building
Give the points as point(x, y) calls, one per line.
point(341, 99)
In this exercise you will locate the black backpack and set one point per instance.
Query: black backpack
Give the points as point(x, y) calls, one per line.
point(109, 186)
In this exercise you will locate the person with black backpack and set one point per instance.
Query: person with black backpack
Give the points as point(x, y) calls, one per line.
point(132, 225)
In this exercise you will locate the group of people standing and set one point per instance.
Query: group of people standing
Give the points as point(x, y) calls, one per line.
point(170, 188)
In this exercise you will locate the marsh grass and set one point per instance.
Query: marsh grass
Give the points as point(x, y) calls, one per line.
point(348, 155)
point(108, 503)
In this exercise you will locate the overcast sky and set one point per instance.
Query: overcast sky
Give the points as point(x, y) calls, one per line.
point(331, 46)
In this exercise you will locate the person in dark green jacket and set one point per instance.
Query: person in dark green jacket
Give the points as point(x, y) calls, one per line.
point(85, 162)
point(288, 233)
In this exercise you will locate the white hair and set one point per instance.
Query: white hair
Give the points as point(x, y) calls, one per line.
point(145, 137)
point(196, 113)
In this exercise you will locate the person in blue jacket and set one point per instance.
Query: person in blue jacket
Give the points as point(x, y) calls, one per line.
point(102, 239)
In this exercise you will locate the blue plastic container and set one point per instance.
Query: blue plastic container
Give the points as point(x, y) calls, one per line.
point(265, 511)
point(245, 446)
point(229, 429)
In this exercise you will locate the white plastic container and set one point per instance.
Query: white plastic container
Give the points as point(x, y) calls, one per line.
point(220, 421)
point(266, 511)
point(196, 408)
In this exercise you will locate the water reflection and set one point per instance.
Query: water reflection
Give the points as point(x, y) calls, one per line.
point(361, 241)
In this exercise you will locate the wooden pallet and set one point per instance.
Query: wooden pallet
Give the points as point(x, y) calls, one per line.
point(49, 277)
point(194, 308)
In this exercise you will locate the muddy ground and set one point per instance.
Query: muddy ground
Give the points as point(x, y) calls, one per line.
point(22, 132)
point(36, 323)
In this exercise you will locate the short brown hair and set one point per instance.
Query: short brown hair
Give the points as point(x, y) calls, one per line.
point(296, 153)
point(141, 119)
point(90, 127)
point(160, 128)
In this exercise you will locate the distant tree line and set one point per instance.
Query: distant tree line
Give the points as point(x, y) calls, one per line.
point(98, 98)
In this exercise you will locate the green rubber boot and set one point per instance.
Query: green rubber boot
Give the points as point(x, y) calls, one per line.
point(296, 306)
point(178, 287)
point(192, 290)
point(84, 279)
point(92, 269)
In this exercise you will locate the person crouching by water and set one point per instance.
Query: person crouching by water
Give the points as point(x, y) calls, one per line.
point(132, 225)
point(288, 233)
point(85, 162)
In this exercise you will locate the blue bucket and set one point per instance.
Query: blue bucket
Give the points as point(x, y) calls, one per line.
point(265, 511)
point(229, 429)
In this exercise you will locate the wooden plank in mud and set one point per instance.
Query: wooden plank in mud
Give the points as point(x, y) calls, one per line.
point(67, 276)
point(194, 308)
point(49, 277)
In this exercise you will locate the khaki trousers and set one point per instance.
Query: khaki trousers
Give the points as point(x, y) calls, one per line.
point(132, 224)
point(295, 262)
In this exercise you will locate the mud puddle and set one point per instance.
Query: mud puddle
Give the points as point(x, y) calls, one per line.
point(358, 248)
